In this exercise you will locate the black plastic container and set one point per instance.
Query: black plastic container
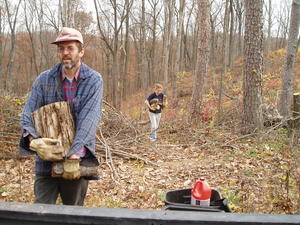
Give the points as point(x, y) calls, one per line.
point(181, 200)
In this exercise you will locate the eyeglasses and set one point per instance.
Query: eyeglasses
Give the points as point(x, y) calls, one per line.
point(69, 49)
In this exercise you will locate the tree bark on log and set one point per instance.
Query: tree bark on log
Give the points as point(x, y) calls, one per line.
point(55, 121)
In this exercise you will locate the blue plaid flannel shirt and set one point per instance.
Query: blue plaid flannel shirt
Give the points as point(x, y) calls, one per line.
point(86, 108)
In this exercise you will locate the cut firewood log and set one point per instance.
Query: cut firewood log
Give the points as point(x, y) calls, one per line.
point(55, 120)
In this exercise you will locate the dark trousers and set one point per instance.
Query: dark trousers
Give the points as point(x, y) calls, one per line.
point(47, 189)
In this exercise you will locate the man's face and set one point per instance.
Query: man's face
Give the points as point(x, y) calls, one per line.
point(69, 54)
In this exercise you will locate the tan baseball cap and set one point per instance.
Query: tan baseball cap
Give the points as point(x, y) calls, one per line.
point(68, 34)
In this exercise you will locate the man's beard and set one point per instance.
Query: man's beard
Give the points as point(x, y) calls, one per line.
point(68, 66)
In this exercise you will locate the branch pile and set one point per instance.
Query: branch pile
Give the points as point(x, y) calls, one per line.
point(117, 135)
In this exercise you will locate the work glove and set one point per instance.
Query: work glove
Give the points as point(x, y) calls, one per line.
point(71, 169)
point(48, 149)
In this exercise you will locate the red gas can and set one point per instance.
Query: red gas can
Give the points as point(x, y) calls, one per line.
point(201, 193)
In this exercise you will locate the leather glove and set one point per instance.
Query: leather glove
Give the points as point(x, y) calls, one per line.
point(71, 169)
point(48, 149)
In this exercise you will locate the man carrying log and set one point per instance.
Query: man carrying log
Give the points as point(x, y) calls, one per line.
point(81, 87)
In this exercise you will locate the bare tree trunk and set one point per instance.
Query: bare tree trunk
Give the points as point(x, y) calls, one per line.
point(252, 83)
point(231, 35)
point(67, 12)
point(28, 24)
point(126, 49)
point(193, 44)
point(12, 27)
point(285, 32)
point(202, 59)
point(224, 61)
point(178, 45)
point(188, 59)
point(168, 5)
point(115, 76)
point(1, 43)
point(239, 13)
point(287, 76)
point(283, 24)
point(113, 45)
point(115, 64)
point(214, 22)
point(269, 11)
point(164, 67)
point(44, 55)
point(108, 85)
point(152, 66)
point(269, 38)
point(212, 43)
point(144, 76)
point(277, 37)
point(154, 61)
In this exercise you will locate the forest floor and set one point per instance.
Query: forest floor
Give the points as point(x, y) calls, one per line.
point(256, 173)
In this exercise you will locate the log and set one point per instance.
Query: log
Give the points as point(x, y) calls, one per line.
point(58, 170)
point(55, 120)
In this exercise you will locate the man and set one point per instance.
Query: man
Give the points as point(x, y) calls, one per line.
point(82, 88)
point(155, 102)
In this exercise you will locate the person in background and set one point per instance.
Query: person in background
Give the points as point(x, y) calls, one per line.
point(82, 87)
point(155, 103)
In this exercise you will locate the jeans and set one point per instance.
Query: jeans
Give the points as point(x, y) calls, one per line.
point(154, 119)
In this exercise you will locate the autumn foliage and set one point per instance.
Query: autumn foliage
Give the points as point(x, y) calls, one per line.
point(257, 174)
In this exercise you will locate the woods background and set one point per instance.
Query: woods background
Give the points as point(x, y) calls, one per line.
point(229, 68)
point(131, 43)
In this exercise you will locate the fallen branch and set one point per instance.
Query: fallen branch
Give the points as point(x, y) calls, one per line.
point(128, 155)
point(108, 157)
point(238, 138)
